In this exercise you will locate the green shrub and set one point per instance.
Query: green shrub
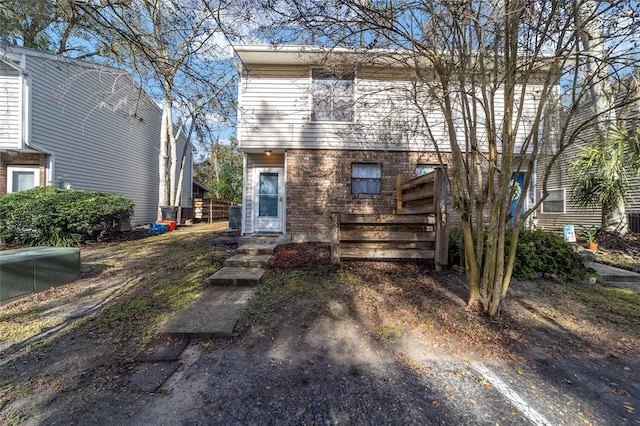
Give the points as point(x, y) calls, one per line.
point(60, 217)
point(546, 252)
point(456, 246)
point(538, 252)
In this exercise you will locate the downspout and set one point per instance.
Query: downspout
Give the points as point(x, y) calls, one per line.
point(284, 201)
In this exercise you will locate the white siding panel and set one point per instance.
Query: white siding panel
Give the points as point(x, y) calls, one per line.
point(560, 178)
point(10, 107)
point(276, 107)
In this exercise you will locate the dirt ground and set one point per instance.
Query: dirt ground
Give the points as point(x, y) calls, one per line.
point(365, 343)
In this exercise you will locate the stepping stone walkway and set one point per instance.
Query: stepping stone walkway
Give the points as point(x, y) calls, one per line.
point(215, 313)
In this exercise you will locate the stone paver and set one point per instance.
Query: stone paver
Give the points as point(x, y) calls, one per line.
point(236, 276)
point(617, 277)
point(257, 248)
point(213, 314)
point(248, 260)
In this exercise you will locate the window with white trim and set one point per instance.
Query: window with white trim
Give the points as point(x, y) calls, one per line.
point(555, 202)
point(366, 178)
point(20, 178)
point(332, 96)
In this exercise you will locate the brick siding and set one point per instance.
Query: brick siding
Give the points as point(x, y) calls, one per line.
point(319, 184)
point(21, 159)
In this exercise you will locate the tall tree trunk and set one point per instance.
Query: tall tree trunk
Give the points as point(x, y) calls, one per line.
point(163, 158)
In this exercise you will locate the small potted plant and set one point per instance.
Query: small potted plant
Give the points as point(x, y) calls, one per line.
point(590, 232)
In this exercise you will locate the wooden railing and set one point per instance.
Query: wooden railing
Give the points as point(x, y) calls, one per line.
point(210, 209)
point(417, 232)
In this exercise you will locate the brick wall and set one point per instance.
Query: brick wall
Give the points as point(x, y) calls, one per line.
point(21, 159)
point(319, 183)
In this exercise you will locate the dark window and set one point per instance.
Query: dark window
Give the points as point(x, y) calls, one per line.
point(554, 203)
point(268, 193)
point(366, 178)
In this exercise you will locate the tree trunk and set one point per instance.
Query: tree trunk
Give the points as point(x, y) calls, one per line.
point(163, 158)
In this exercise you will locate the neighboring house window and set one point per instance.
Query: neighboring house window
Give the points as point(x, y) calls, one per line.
point(555, 202)
point(20, 178)
point(332, 96)
point(423, 169)
point(366, 178)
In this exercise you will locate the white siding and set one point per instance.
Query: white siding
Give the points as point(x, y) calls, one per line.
point(275, 109)
point(10, 107)
point(560, 178)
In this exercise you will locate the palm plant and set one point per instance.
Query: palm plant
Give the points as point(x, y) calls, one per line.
point(603, 169)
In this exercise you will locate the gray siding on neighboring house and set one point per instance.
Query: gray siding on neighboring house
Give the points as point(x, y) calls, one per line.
point(561, 178)
point(10, 108)
point(85, 116)
point(100, 129)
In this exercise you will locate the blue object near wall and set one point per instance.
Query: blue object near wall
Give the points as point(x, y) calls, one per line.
point(158, 227)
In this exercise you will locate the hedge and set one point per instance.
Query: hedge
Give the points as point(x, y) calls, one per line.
point(60, 217)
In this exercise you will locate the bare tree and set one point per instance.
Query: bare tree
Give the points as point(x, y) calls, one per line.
point(496, 86)
point(174, 43)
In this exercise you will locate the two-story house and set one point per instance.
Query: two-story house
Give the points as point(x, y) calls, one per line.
point(73, 123)
point(558, 209)
point(329, 130)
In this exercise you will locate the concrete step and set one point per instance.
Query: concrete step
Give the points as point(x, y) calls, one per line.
point(213, 314)
point(264, 239)
point(256, 248)
point(627, 285)
point(611, 274)
point(247, 260)
point(236, 276)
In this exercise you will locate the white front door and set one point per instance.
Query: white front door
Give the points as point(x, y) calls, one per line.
point(268, 193)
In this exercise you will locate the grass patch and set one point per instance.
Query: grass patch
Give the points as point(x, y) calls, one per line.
point(616, 304)
point(387, 333)
point(138, 314)
point(284, 291)
point(19, 324)
point(166, 273)
point(14, 419)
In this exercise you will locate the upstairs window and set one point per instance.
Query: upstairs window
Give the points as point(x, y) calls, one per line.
point(366, 178)
point(332, 96)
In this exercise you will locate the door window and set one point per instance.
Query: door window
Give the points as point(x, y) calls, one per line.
point(268, 195)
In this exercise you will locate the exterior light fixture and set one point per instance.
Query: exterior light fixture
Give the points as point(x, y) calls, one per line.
point(267, 152)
